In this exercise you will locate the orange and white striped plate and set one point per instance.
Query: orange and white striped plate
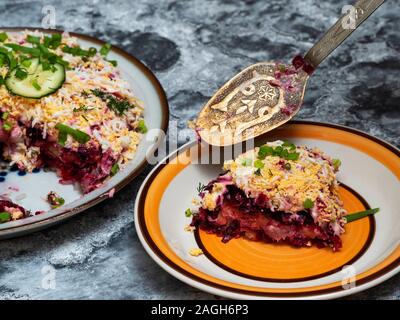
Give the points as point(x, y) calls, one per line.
point(369, 177)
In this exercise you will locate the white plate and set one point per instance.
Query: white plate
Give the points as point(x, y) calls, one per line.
point(30, 190)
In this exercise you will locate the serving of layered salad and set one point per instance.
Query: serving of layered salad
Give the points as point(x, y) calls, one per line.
point(278, 192)
point(65, 107)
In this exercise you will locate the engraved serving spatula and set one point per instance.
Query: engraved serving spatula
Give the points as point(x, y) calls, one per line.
point(268, 94)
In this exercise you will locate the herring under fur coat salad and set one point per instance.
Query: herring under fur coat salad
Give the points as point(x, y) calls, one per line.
point(278, 192)
point(64, 107)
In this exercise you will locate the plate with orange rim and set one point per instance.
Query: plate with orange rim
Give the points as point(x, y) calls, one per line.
point(241, 269)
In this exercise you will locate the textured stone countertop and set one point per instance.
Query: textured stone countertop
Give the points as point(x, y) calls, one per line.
point(194, 47)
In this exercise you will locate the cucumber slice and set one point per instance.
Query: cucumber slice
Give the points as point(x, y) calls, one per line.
point(38, 83)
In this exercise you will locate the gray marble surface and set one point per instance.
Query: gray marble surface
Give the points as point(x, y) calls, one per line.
point(193, 47)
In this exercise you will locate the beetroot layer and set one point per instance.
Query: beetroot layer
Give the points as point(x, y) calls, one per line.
point(87, 164)
point(239, 216)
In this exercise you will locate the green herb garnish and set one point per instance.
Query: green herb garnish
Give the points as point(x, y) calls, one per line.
point(58, 202)
point(27, 63)
point(360, 215)
point(113, 62)
point(142, 126)
point(5, 115)
point(34, 52)
point(3, 36)
point(105, 49)
point(258, 164)
point(308, 204)
point(114, 169)
point(285, 151)
point(293, 156)
point(336, 163)
point(36, 85)
point(201, 187)
point(5, 216)
point(55, 200)
point(118, 105)
point(264, 151)
point(188, 213)
point(7, 126)
point(289, 145)
point(78, 51)
point(33, 39)
point(21, 73)
point(52, 42)
point(257, 172)
point(64, 131)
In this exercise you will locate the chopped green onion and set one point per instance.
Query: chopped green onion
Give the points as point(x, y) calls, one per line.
point(55, 200)
point(7, 126)
point(26, 63)
point(105, 49)
point(278, 151)
point(58, 202)
point(92, 51)
point(5, 115)
point(21, 73)
point(289, 145)
point(78, 135)
point(113, 62)
point(3, 36)
point(361, 214)
point(8, 57)
point(264, 151)
point(33, 39)
point(77, 51)
point(114, 169)
point(188, 213)
point(36, 85)
point(282, 68)
point(308, 204)
point(283, 151)
point(258, 164)
point(293, 156)
point(336, 163)
point(142, 126)
point(27, 50)
point(5, 216)
point(52, 42)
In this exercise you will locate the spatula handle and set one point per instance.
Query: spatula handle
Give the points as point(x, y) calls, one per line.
point(341, 30)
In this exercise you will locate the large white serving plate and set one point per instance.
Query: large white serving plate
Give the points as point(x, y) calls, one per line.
point(30, 190)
